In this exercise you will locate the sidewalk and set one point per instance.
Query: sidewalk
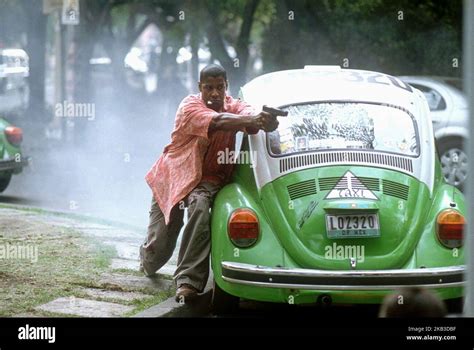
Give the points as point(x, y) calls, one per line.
point(61, 265)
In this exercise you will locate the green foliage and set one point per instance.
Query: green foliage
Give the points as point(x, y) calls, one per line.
point(399, 37)
point(394, 36)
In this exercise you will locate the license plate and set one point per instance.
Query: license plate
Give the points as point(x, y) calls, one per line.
point(352, 226)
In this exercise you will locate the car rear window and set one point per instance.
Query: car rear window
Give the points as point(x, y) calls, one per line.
point(330, 126)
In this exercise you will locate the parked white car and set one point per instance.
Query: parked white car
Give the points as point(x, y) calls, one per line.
point(449, 114)
point(14, 88)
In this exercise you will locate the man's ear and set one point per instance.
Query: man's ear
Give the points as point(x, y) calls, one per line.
point(226, 85)
point(199, 86)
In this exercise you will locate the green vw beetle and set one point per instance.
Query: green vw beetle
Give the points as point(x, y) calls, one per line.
point(343, 203)
point(12, 160)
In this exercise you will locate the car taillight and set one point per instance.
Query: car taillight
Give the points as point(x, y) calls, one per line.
point(14, 135)
point(450, 227)
point(243, 228)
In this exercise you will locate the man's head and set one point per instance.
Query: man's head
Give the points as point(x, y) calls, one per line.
point(213, 85)
point(412, 302)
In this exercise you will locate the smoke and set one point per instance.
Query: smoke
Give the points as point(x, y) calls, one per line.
point(100, 170)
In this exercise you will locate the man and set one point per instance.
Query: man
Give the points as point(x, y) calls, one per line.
point(412, 302)
point(188, 173)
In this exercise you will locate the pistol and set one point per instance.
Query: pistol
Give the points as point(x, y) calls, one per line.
point(275, 111)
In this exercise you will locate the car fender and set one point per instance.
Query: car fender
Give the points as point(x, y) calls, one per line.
point(430, 252)
point(266, 251)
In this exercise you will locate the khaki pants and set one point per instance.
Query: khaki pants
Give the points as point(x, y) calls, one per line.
point(193, 257)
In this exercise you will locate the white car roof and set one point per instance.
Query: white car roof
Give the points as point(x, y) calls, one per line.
point(328, 83)
point(14, 53)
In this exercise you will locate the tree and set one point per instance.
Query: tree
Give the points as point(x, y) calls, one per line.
point(36, 47)
point(230, 22)
point(398, 37)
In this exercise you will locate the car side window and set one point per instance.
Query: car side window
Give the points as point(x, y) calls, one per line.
point(436, 102)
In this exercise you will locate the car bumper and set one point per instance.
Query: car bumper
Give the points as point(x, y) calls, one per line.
point(370, 280)
point(12, 164)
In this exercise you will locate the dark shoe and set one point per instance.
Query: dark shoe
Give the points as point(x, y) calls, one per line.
point(186, 293)
point(146, 273)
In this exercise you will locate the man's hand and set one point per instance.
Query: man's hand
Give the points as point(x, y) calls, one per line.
point(265, 121)
point(252, 124)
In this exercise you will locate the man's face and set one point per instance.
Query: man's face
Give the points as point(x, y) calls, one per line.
point(213, 92)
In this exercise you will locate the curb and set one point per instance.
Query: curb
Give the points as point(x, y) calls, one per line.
point(171, 308)
point(201, 307)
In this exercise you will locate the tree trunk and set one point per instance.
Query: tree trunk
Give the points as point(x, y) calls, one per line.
point(243, 42)
point(236, 69)
point(195, 52)
point(36, 49)
point(84, 41)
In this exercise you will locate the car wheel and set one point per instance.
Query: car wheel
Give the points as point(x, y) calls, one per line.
point(222, 302)
point(453, 162)
point(454, 306)
point(4, 181)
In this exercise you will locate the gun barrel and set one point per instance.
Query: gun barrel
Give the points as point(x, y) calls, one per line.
point(275, 111)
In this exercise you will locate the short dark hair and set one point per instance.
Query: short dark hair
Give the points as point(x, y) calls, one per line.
point(213, 70)
point(412, 302)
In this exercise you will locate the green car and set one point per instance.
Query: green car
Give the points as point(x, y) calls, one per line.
point(11, 159)
point(343, 203)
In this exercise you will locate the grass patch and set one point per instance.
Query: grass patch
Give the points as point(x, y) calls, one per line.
point(144, 304)
point(137, 273)
point(132, 272)
point(66, 260)
point(103, 254)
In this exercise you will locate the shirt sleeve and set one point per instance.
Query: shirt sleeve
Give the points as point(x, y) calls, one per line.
point(194, 118)
point(244, 108)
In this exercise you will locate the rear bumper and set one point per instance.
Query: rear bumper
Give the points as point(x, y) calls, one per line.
point(12, 164)
point(370, 280)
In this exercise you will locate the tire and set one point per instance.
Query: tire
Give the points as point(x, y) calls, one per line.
point(223, 303)
point(454, 306)
point(453, 160)
point(4, 182)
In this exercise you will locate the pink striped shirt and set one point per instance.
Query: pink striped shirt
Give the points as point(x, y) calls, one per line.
point(181, 166)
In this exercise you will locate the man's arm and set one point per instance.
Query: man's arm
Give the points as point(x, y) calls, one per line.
point(234, 122)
